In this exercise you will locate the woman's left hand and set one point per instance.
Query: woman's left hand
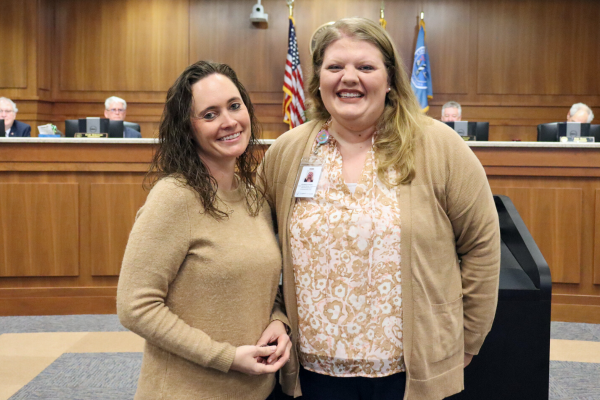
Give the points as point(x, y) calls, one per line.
point(275, 333)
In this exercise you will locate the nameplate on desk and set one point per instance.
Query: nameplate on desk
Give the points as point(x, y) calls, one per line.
point(577, 139)
point(91, 135)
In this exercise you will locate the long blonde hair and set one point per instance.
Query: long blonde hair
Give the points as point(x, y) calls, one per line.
point(401, 120)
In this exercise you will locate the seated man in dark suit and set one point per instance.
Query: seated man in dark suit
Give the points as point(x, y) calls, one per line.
point(8, 112)
point(116, 110)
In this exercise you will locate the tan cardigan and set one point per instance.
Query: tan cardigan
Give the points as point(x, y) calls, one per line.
point(196, 288)
point(450, 251)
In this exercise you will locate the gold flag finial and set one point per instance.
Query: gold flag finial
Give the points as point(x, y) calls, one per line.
point(382, 20)
point(290, 4)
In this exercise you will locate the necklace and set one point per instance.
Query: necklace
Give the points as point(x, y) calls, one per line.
point(323, 135)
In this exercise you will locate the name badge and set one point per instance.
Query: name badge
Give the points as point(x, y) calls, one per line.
point(308, 178)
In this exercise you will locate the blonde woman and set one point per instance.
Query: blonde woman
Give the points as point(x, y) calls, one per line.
point(391, 260)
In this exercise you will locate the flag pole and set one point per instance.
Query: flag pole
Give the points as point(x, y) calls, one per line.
point(290, 4)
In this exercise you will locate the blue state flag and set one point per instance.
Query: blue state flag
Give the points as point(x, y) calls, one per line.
point(420, 80)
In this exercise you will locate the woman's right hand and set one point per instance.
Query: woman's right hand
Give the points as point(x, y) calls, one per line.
point(249, 360)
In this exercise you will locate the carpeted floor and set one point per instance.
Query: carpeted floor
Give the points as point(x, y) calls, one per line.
point(107, 376)
point(105, 365)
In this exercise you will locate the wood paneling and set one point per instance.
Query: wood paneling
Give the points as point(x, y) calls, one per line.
point(14, 35)
point(45, 41)
point(260, 60)
point(553, 216)
point(576, 313)
point(58, 301)
point(553, 189)
point(538, 47)
point(81, 165)
point(121, 46)
point(114, 208)
point(448, 24)
point(576, 170)
point(514, 63)
point(39, 233)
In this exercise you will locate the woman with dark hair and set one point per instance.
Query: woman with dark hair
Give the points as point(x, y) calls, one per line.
point(201, 270)
point(391, 264)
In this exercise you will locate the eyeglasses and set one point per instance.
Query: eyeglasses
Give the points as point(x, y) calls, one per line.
point(6, 112)
point(116, 110)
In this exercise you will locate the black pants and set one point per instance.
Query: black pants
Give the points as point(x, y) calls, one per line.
point(323, 387)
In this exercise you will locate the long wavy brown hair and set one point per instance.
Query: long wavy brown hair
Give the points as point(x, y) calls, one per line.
point(401, 120)
point(177, 152)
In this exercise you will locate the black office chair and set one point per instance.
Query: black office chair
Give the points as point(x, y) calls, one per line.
point(550, 132)
point(2, 128)
point(132, 125)
point(71, 127)
point(480, 130)
point(115, 128)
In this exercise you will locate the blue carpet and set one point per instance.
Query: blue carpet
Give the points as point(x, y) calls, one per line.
point(113, 376)
point(575, 331)
point(574, 381)
point(86, 376)
point(110, 323)
point(61, 323)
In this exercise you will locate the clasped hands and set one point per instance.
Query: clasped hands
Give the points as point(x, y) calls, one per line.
point(270, 353)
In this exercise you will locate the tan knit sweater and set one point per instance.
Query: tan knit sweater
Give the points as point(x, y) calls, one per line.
point(447, 214)
point(196, 288)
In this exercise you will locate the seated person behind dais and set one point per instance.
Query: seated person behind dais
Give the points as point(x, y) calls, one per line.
point(13, 128)
point(580, 112)
point(451, 112)
point(116, 110)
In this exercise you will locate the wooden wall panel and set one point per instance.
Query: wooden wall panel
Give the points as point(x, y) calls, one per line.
point(259, 56)
point(39, 229)
point(449, 23)
point(554, 219)
point(514, 63)
point(121, 46)
point(260, 60)
point(114, 208)
point(14, 35)
point(45, 42)
point(538, 47)
point(519, 133)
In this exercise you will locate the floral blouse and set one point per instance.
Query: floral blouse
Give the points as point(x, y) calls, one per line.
point(346, 257)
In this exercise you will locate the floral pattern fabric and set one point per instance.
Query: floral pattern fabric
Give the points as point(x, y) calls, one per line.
point(346, 257)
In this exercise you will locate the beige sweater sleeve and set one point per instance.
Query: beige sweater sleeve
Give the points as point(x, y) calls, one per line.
point(278, 313)
point(157, 246)
point(474, 218)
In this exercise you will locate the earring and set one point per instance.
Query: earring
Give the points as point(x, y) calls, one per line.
point(389, 90)
point(319, 88)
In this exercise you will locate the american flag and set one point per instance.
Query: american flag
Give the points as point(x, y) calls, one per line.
point(293, 87)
